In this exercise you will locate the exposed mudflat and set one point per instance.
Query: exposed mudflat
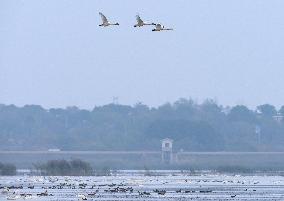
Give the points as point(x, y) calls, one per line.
point(135, 187)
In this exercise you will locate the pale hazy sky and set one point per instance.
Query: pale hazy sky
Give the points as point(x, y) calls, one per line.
point(53, 53)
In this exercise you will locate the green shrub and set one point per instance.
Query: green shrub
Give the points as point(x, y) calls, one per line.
point(74, 167)
point(8, 169)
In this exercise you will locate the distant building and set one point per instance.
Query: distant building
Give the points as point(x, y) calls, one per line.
point(278, 117)
point(167, 151)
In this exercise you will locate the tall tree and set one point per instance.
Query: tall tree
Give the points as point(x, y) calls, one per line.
point(241, 113)
point(267, 110)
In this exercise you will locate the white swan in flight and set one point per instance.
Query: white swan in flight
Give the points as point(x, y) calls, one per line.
point(141, 23)
point(105, 21)
point(159, 27)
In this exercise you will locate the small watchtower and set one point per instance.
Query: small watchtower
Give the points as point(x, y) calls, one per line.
point(167, 150)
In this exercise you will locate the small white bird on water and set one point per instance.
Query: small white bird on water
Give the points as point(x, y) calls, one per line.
point(141, 23)
point(5, 190)
point(105, 21)
point(13, 197)
point(82, 197)
point(160, 27)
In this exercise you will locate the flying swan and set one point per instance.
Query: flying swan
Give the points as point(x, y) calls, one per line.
point(159, 27)
point(105, 21)
point(141, 23)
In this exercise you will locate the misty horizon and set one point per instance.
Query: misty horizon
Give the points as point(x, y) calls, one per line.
point(116, 101)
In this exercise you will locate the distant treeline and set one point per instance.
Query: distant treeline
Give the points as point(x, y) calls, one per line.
point(193, 127)
point(7, 169)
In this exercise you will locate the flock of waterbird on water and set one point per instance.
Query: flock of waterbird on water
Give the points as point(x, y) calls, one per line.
point(87, 187)
point(140, 23)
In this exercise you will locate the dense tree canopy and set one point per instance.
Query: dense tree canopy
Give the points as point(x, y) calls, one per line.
point(241, 113)
point(193, 127)
point(267, 110)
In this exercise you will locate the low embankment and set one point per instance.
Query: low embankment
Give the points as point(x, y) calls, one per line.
point(139, 160)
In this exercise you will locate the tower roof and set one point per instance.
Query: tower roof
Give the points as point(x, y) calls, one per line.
point(167, 139)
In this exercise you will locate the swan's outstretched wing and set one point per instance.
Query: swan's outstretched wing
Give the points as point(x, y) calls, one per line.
point(139, 20)
point(104, 19)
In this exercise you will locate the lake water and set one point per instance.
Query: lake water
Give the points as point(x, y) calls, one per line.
point(138, 187)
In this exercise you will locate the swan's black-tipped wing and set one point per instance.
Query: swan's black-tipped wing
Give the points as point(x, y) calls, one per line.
point(139, 20)
point(104, 19)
